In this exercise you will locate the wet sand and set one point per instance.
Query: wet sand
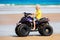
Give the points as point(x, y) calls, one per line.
point(52, 37)
point(14, 18)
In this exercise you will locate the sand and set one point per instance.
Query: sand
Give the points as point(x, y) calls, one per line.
point(14, 18)
point(52, 37)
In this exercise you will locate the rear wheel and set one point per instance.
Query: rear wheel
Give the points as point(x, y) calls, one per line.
point(22, 30)
point(46, 30)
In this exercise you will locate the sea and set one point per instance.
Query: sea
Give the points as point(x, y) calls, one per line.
point(31, 2)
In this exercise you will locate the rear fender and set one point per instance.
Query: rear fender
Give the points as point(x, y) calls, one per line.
point(44, 20)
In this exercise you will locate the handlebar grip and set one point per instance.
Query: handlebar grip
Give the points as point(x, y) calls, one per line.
point(27, 13)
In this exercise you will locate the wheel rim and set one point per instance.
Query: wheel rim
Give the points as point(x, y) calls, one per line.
point(47, 30)
point(24, 30)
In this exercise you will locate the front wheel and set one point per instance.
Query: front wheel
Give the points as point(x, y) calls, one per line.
point(46, 30)
point(22, 30)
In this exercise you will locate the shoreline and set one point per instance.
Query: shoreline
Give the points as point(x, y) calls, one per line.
point(26, 8)
point(29, 5)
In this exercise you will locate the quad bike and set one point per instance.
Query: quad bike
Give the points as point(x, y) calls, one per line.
point(25, 25)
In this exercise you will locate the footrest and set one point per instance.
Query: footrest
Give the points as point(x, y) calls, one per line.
point(34, 30)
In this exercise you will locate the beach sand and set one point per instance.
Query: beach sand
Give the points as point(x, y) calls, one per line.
point(52, 37)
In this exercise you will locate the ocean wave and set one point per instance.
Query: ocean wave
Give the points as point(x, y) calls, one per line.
point(28, 5)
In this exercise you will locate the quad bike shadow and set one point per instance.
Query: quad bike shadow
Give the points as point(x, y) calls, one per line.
point(24, 26)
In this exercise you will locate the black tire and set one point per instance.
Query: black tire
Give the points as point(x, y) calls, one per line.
point(16, 29)
point(40, 31)
point(22, 30)
point(43, 30)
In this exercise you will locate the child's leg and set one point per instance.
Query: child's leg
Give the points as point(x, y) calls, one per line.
point(34, 25)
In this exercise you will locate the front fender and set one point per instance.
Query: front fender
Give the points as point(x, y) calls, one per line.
point(18, 23)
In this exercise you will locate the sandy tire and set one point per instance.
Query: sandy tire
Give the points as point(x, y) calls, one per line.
point(43, 31)
point(22, 30)
point(16, 29)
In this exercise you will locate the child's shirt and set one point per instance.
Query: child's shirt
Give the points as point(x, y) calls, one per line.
point(38, 14)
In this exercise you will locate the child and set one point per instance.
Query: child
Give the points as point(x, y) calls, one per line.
point(37, 15)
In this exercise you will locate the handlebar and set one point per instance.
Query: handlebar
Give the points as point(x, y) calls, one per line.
point(26, 14)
